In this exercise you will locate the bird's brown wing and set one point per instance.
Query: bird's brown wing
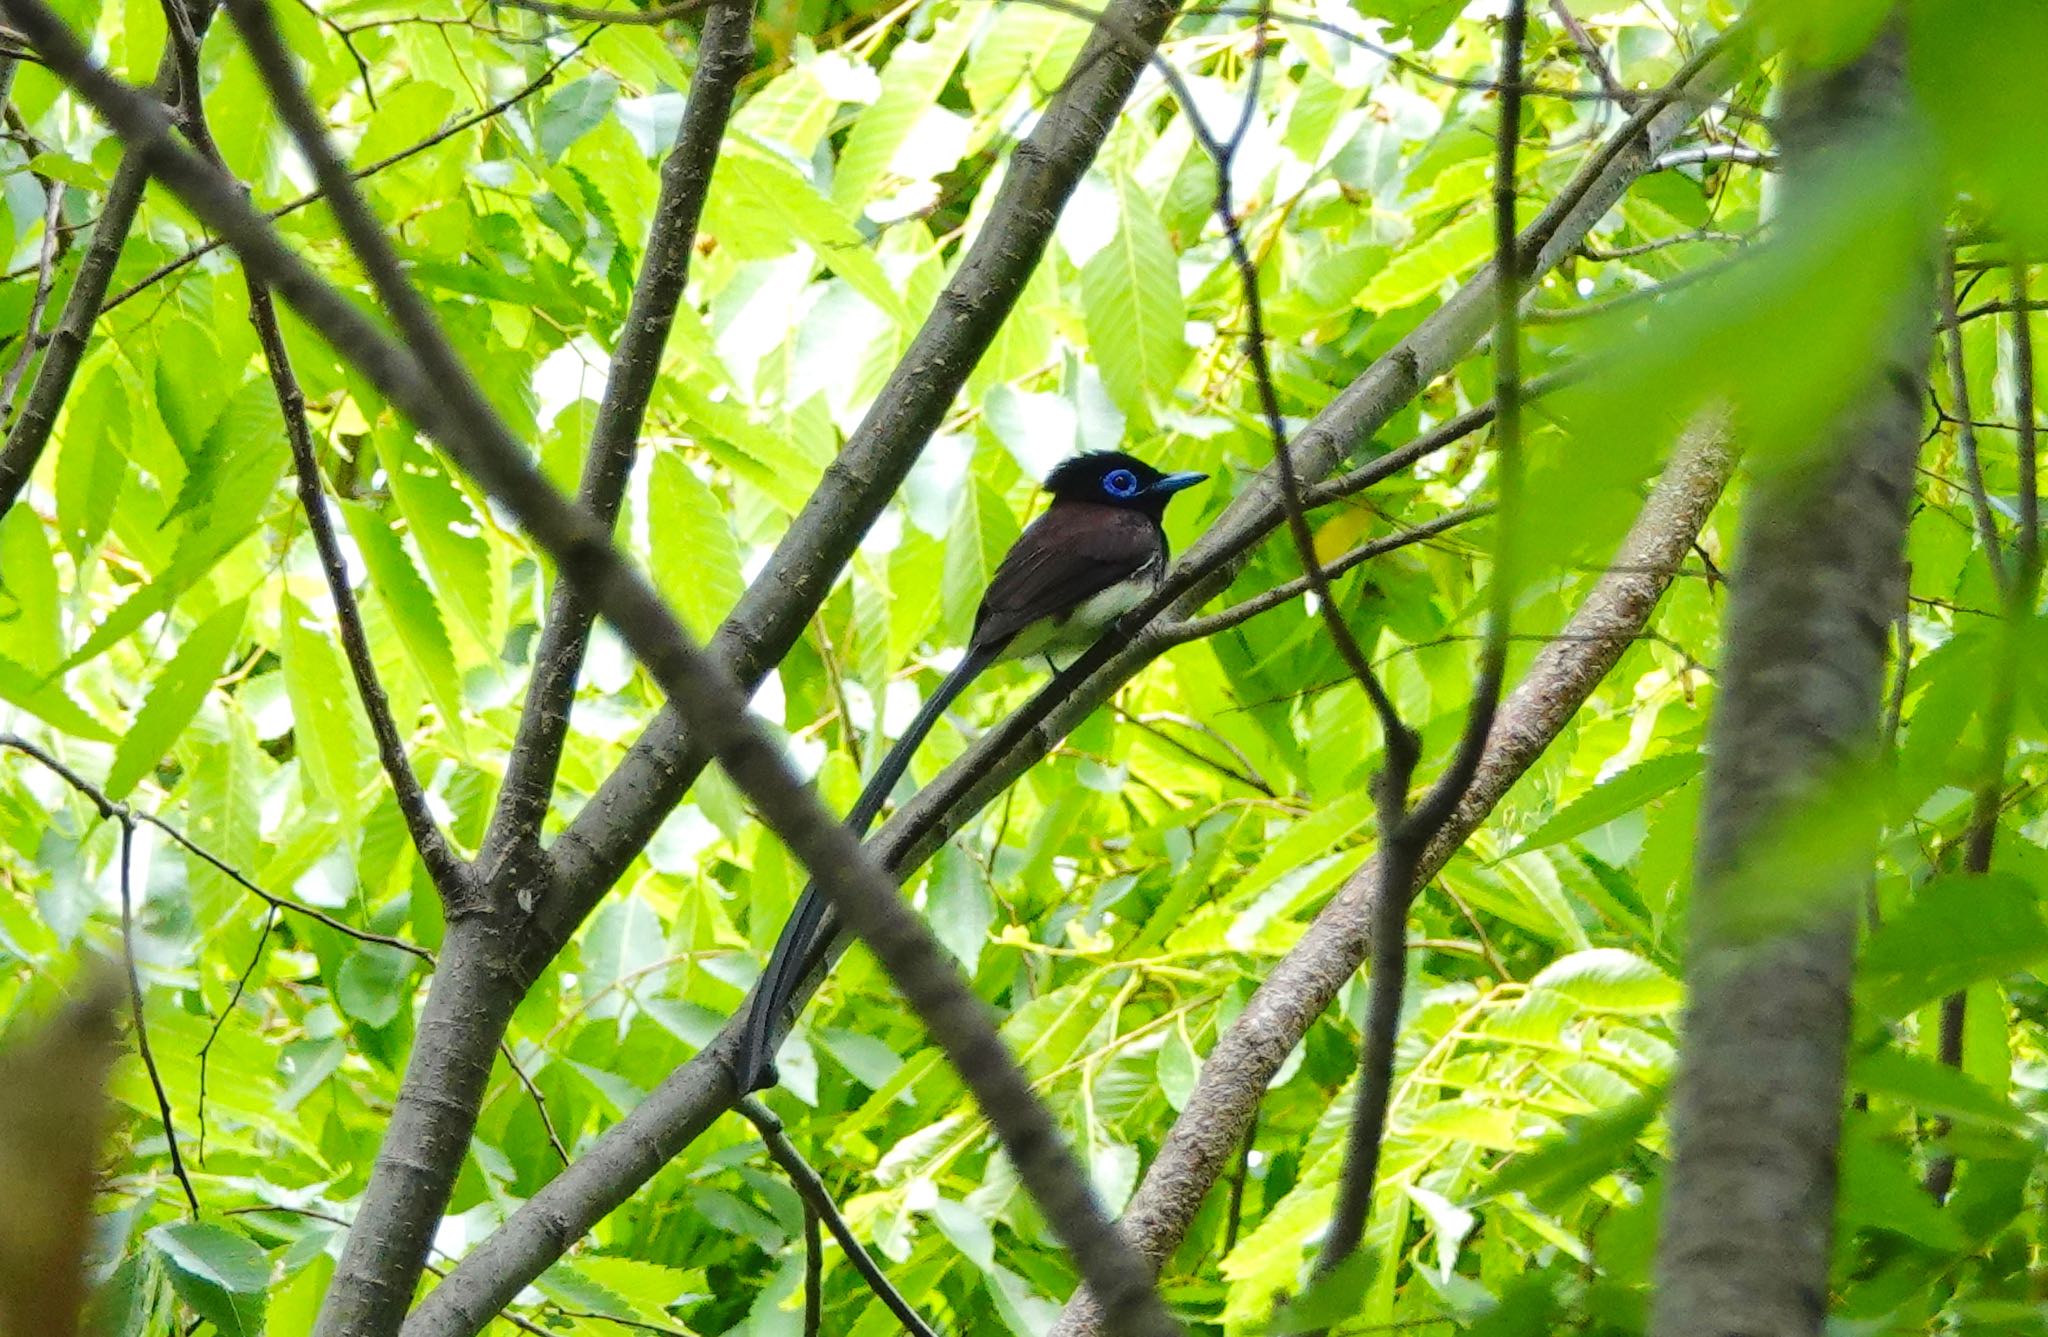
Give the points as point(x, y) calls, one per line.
point(1074, 551)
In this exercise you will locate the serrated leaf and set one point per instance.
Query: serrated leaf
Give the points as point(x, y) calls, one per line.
point(982, 532)
point(31, 621)
point(174, 698)
point(1608, 979)
point(968, 1231)
point(1130, 295)
point(332, 745)
point(90, 461)
point(575, 111)
point(221, 1274)
point(1612, 798)
point(1931, 1088)
point(783, 207)
point(1589, 1147)
point(449, 534)
point(692, 550)
point(47, 701)
point(247, 431)
point(1426, 266)
point(1958, 930)
point(959, 904)
point(414, 612)
point(917, 73)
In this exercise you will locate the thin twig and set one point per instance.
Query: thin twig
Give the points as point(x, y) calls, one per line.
point(219, 1022)
point(1599, 254)
point(46, 279)
point(1966, 431)
point(451, 877)
point(819, 1200)
point(643, 18)
point(156, 1081)
point(1589, 51)
point(447, 132)
point(1406, 833)
point(547, 1123)
point(1195, 628)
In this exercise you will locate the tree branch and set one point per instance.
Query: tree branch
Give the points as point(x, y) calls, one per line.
point(1406, 832)
point(818, 1203)
point(629, 1153)
point(725, 52)
point(30, 434)
point(1224, 1102)
point(1044, 170)
point(426, 380)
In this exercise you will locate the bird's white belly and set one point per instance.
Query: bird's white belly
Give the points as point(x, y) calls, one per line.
point(1090, 618)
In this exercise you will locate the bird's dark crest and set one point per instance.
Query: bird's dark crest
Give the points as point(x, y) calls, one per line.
point(1080, 477)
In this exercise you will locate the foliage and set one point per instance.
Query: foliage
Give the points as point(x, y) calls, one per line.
point(165, 628)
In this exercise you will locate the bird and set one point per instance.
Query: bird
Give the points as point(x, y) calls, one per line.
point(1096, 553)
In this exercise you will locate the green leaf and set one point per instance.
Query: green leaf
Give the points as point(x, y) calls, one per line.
point(31, 622)
point(47, 701)
point(1130, 293)
point(1591, 1145)
point(327, 723)
point(916, 75)
point(1608, 979)
point(967, 1229)
point(782, 207)
point(691, 548)
point(221, 1274)
point(414, 612)
point(174, 697)
point(983, 530)
point(450, 535)
point(959, 903)
point(575, 112)
point(90, 461)
point(1958, 930)
point(1612, 798)
point(1328, 1299)
point(1931, 1088)
point(1426, 266)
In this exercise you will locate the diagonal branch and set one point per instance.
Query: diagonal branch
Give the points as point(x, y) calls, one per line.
point(452, 877)
point(30, 434)
point(1044, 170)
point(426, 380)
point(725, 53)
point(1204, 1139)
point(629, 1153)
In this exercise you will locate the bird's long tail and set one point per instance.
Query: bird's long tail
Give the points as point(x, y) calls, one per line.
point(809, 933)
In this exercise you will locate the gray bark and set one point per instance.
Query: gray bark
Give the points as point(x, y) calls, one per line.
point(1204, 1140)
point(1756, 1116)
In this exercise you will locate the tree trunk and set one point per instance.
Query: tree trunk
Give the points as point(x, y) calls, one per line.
point(1757, 1107)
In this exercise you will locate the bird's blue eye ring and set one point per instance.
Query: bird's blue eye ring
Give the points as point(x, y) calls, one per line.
point(1120, 483)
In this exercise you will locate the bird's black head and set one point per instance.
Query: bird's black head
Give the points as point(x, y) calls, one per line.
point(1112, 478)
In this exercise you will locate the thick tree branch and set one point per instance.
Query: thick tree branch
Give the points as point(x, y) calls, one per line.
point(424, 378)
point(1043, 172)
point(1749, 1208)
point(1205, 1138)
point(725, 52)
point(629, 1153)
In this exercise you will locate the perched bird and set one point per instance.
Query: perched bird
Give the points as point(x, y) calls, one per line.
point(1096, 553)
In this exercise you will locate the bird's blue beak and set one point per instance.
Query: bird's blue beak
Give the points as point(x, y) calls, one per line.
point(1173, 483)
